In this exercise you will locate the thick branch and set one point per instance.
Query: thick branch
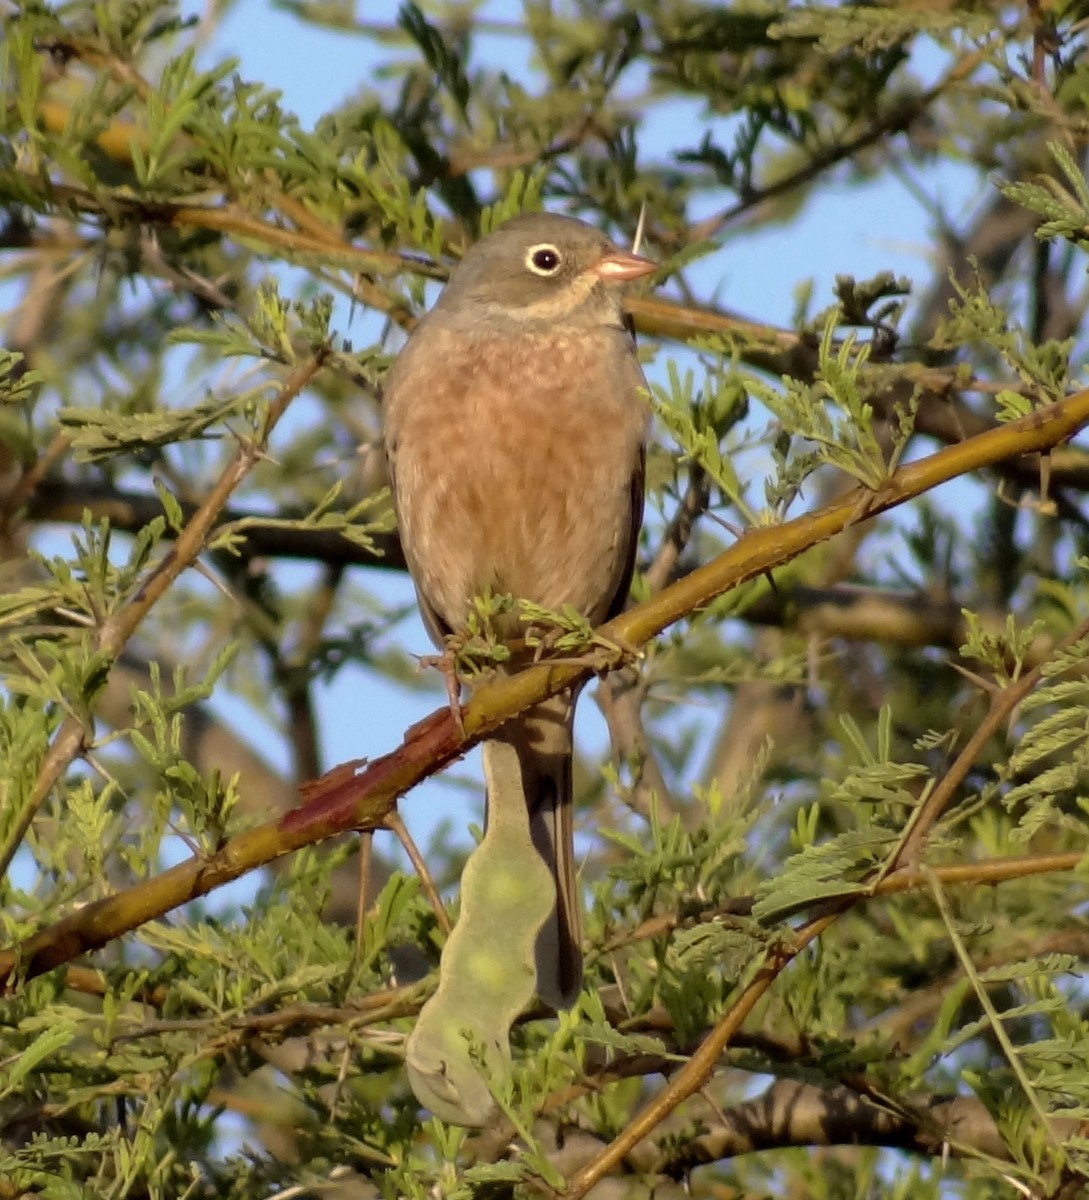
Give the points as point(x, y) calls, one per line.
point(345, 800)
point(802, 1114)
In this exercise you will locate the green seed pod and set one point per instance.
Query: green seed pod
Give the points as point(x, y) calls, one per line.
point(459, 1052)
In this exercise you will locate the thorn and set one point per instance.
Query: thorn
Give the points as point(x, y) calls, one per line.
point(640, 228)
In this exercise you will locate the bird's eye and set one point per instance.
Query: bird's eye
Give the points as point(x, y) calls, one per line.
point(543, 260)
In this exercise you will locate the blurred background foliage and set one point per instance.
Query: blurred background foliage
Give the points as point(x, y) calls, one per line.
point(201, 297)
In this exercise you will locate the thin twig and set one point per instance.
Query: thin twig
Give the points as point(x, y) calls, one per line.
point(31, 478)
point(901, 119)
point(1004, 702)
point(700, 1066)
point(393, 822)
point(993, 1018)
point(116, 630)
point(366, 848)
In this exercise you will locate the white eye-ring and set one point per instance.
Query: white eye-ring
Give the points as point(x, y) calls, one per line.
point(543, 259)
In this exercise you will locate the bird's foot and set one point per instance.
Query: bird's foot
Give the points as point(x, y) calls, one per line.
point(575, 641)
point(620, 652)
point(447, 664)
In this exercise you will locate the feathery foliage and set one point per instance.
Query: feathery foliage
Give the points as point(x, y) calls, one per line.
point(835, 854)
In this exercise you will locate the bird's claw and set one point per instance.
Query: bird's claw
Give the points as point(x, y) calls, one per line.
point(446, 663)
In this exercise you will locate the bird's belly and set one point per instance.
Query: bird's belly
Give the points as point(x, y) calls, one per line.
point(522, 497)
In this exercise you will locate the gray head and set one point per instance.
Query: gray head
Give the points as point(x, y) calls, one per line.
point(541, 268)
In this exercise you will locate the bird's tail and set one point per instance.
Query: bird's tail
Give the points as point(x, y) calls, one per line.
point(541, 736)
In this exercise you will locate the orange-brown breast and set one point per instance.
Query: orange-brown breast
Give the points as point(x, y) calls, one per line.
point(513, 460)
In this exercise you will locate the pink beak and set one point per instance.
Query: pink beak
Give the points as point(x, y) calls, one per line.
point(621, 266)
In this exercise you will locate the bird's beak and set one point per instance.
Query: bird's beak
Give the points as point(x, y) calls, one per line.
point(619, 266)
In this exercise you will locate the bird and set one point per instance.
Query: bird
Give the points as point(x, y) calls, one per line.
point(515, 421)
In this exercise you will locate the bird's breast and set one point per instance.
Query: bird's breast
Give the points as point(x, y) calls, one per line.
point(513, 466)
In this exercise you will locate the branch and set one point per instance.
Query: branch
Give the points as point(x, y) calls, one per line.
point(116, 630)
point(803, 1114)
point(64, 501)
point(987, 872)
point(843, 611)
point(344, 800)
point(229, 218)
point(698, 1069)
point(898, 121)
point(1003, 704)
point(940, 414)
